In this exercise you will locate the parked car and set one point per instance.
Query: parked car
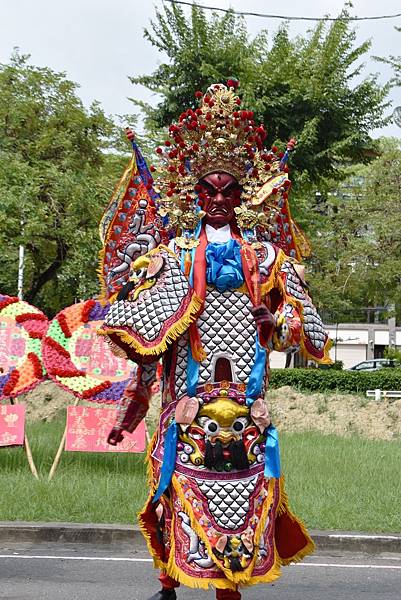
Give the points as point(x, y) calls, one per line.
point(374, 364)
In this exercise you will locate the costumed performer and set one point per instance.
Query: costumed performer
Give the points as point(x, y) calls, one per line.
point(212, 303)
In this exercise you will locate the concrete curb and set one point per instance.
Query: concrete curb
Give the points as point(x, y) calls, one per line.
point(80, 533)
point(88, 533)
point(348, 541)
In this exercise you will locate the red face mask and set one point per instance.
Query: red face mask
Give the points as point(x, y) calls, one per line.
point(222, 194)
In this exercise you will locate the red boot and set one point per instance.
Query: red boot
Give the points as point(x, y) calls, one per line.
point(227, 595)
point(168, 583)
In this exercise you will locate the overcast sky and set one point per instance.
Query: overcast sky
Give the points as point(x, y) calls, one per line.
point(98, 43)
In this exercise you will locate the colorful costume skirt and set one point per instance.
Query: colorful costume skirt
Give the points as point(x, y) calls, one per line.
point(219, 525)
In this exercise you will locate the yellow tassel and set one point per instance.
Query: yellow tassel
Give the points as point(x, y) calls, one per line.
point(274, 280)
point(228, 580)
point(176, 330)
point(187, 263)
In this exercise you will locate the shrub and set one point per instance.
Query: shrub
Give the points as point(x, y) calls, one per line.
point(322, 380)
point(392, 354)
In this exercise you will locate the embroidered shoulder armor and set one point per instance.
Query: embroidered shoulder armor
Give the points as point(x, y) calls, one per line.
point(153, 309)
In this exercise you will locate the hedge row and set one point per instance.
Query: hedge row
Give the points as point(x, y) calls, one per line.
point(321, 380)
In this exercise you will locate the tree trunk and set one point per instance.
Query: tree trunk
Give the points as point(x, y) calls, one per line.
point(41, 279)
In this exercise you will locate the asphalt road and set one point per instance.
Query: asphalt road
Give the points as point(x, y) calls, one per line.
point(54, 571)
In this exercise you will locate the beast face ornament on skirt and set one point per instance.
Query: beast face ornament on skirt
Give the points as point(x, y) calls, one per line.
point(222, 437)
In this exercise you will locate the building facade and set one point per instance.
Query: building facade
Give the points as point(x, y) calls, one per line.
point(355, 342)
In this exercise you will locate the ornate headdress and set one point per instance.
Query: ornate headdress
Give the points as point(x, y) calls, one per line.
point(219, 136)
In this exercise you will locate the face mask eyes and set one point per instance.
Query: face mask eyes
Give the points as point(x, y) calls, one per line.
point(239, 425)
point(212, 428)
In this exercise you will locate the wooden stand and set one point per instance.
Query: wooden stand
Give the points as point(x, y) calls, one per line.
point(30, 458)
point(57, 458)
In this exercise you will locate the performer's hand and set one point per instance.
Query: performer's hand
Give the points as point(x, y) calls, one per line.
point(264, 321)
point(115, 436)
point(262, 314)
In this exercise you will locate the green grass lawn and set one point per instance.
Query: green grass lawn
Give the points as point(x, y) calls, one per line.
point(332, 482)
point(87, 487)
point(343, 483)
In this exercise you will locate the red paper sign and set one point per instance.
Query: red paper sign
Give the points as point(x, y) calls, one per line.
point(12, 425)
point(88, 428)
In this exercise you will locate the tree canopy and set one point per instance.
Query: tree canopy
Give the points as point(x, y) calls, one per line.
point(55, 178)
point(395, 63)
point(356, 262)
point(309, 87)
point(315, 88)
point(59, 161)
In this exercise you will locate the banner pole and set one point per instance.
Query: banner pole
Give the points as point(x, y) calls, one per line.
point(30, 458)
point(60, 449)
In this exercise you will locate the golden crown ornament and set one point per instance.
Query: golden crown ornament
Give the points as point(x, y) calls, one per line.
point(219, 136)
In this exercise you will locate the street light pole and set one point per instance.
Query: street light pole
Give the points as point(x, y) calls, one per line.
point(21, 254)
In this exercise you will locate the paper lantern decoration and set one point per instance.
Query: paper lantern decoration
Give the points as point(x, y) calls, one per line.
point(79, 360)
point(22, 328)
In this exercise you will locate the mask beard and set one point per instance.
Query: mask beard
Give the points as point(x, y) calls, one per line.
point(235, 564)
point(214, 458)
point(239, 458)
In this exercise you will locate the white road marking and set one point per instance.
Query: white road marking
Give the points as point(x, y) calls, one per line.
point(142, 560)
point(341, 566)
point(363, 536)
point(108, 558)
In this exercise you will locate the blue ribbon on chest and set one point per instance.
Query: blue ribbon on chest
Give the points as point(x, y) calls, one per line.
point(272, 453)
point(169, 458)
point(224, 266)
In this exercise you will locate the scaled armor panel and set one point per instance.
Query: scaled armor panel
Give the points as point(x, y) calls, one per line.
point(227, 330)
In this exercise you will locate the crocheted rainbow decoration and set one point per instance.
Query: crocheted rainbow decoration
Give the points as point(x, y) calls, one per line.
point(79, 360)
point(22, 328)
